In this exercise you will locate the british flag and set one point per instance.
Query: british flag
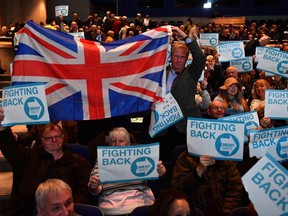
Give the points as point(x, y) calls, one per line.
point(88, 80)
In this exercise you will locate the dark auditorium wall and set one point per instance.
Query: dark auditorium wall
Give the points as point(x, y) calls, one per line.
point(20, 10)
point(82, 7)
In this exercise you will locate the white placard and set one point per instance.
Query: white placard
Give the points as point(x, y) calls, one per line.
point(274, 61)
point(243, 65)
point(266, 184)
point(260, 51)
point(25, 104)
point(128, 163)
point(230, 51)
point(61, 10)
point(223, 140)
point(250, 120)
point(209, 39)
point(276, 104)
point(166, 113)
point(78, 34)
point(272, 140)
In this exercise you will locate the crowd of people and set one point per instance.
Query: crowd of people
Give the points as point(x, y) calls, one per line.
point(213, 186)
point(114, 27)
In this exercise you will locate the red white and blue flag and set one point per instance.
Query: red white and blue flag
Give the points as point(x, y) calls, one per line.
point(88, 80)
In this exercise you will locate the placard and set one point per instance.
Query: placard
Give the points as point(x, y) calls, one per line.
point(223, 140)
point(128, 163)
point(230, 51)
point(266, 184)
point(25, 104)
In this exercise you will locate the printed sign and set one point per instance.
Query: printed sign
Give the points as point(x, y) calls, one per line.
point(266, 184)
point(250, 120)
point(276, 104)
point(128, 163)
point(272, 140)
point(78, 34)
point(243, 65)
point(260, 51)
point(61, 10)
point(223, 140)
point(230, 51)
point(274, 61)
point(166, 113)
point(25, 104)
point(209, 39)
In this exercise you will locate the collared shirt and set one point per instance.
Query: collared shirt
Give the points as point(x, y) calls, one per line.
point(171, 76)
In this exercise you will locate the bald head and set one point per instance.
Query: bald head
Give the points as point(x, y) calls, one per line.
point(231, 71)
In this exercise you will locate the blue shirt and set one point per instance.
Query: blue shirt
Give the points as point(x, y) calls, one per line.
point(171, 76)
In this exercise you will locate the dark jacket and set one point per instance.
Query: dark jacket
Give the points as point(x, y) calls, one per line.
point(184, 86)
point(34, 166)
point(220, 182)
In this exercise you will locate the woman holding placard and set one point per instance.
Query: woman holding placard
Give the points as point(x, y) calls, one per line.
point(123, 197)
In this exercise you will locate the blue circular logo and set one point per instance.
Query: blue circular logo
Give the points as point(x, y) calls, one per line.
point(282, 67)
point(142, 166)
point(237, 53)
point(248, 126)
point(213, 41)
point(282, 147)
point(227, 144)
point(34, 108)
point(246, 66)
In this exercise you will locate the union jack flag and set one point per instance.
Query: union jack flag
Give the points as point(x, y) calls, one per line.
point(88, 80)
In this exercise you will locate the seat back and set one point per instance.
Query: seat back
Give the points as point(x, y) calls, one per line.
point(241, 211)
point(176, 152)
point(198, 212)
point(87, 210)
point(80, 149)
point(141, 211)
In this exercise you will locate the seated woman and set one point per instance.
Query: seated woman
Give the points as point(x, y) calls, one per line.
point(121, 198)
point(231, 95)
point(258, 93)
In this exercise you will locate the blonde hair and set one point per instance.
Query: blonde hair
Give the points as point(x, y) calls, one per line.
point(258, 82)
point(179, 45)
point(119, 132)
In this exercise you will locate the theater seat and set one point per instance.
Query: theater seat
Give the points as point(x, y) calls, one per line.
point(87, 210)
point(141, 211)
point(80, 149)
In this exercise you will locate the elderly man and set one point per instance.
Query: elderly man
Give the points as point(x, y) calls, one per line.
point(32, 166)
point(54, 197)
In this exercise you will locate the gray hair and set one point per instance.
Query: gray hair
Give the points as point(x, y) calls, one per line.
point(119, 132)
point(50, 186)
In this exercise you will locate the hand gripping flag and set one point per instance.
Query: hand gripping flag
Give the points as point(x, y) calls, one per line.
point(88, 80)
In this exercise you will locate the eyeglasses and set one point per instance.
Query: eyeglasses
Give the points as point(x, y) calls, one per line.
point(217, 108)
point(49, 139)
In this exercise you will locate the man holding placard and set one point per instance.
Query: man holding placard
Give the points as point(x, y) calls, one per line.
point(214, 186)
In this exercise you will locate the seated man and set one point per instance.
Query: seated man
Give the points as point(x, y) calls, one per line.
point(69, 128)
point(33, 166)
point(215, 110)
point(54, 197)
point(215, 187)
